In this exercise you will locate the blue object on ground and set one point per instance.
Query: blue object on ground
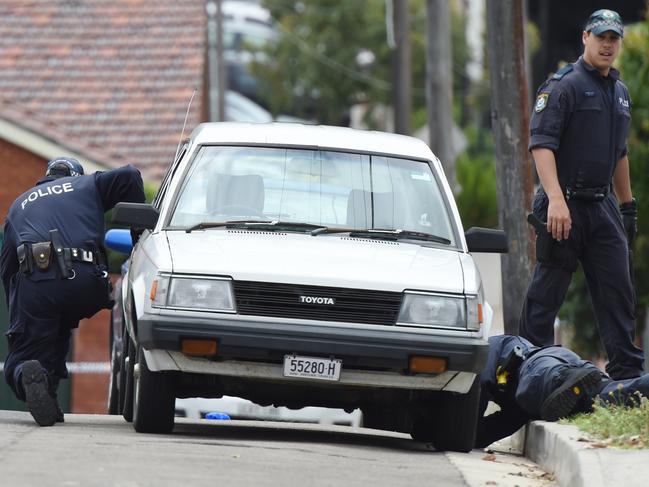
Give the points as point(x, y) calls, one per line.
point(217, 416)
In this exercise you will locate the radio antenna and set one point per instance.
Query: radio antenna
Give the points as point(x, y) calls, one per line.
point(182, 132)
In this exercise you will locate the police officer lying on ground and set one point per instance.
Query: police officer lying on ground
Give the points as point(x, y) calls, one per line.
point(578, 138)
point(54, 272)
point(549, 383)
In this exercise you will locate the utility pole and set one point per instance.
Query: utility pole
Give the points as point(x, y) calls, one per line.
point(217, 70)
point(439, 85)
point(510, 125)
point(401, 65)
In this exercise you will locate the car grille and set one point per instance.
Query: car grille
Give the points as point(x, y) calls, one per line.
point(285, 301)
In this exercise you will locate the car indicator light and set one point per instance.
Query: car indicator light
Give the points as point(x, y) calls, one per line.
point(199, 348)
point(427, 365)
point(154, 289)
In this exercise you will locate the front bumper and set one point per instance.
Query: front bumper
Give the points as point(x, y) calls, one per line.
point(373, 356)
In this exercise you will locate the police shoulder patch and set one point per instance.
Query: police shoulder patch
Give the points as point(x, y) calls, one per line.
point(541, 102)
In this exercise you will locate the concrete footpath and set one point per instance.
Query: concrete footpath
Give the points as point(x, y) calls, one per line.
point(575, 460)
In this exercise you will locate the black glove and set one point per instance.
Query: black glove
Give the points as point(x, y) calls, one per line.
point(629, 213)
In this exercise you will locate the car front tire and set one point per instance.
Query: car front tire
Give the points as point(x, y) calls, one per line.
point(128, 361)
point(153, 399)
point(113, 390)
point(450, 421)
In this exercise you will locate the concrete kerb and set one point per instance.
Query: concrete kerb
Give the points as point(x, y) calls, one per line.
point(566, 452)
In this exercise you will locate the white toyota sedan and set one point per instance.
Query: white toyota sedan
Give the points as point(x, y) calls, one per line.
point(297, 266)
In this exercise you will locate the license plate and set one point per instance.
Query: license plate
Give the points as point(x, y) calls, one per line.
point(312, 367)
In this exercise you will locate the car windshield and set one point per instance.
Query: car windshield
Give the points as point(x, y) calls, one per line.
point(317, 187)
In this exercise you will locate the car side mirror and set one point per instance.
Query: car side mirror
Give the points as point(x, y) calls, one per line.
point(480, 239)
point(138, 215)
point(119, 240)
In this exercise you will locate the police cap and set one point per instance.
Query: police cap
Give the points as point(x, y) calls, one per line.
point(60, 167)
point(602, 20)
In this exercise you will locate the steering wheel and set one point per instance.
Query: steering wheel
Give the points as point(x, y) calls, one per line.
point(238, 210)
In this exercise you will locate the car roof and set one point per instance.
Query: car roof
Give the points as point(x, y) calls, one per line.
point(301, 135)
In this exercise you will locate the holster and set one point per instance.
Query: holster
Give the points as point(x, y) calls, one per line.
point(25, 260)
point(544, 241)
point(63, 256)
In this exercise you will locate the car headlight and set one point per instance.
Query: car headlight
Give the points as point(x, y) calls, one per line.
point(200, 293)
point(441, 311)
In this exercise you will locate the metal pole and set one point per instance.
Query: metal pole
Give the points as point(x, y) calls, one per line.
point(216, 68)
point(439, 85)
point(402, 68)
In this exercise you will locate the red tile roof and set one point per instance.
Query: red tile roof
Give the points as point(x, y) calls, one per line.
point(111, 76)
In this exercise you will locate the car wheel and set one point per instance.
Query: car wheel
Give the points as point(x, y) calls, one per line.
point(121, 375)
point(373, 417)
point(386, 416)
point(153, 399)
point(450, 422)
point(128, 363)
point(113, 390)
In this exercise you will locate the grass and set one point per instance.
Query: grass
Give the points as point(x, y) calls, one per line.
point(618, 425)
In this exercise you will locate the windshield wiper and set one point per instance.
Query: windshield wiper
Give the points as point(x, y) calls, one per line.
point(296, 225)
point(380, 233)
point(322, 230)
point(389, 234)
point(230, 223)
point(264, 224)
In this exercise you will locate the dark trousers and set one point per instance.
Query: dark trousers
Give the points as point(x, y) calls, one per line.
point(541, 374)
point(43, 309)
point(626, 392)
point(597, 240)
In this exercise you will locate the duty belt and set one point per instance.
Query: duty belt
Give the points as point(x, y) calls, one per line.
point(41, 255)
point(595, 194)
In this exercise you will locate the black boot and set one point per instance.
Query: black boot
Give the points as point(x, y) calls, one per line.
point(578, 386)
point(54, 386)
point(40, 403)
point(59, 414)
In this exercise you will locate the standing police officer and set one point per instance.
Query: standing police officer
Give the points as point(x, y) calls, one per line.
point(54, 273)
point(578, 138)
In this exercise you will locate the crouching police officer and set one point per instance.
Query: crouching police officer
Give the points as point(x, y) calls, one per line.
point(529, 382)
point(54, 273)
point(579, 129)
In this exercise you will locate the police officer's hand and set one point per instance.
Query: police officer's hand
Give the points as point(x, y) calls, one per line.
point(629, 213)
point(559, 221)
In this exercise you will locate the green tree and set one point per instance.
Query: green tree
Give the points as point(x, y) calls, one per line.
point(635, 72)
point(331, 55)
point(476, 173)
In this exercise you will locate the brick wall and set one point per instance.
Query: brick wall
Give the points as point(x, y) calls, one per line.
point(19, 171)
point(89, 390)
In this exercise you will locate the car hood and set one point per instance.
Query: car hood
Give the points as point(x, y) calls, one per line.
point(324, 260)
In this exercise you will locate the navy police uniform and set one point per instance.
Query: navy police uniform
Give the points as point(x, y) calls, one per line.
point(584, 119)
point(48, 292)
point(529, 382)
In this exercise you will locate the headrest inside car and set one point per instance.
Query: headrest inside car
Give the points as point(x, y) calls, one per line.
point(231, 195)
